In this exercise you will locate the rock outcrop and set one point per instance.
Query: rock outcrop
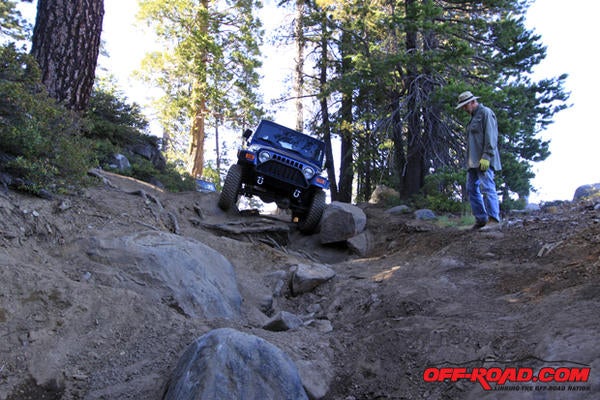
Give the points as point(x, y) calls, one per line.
point(228, 364)
point(185, 274)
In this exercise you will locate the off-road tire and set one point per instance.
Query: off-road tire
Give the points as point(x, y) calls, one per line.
point(231, 188)
point(309, 222)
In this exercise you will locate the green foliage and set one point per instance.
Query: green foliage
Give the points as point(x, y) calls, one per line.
point(111, 117)
point(212, 175)
point(207, 66)
point(115, 125)
point(399, 67)
point(42, 136)
point(169, 177)
point(50, 148)
point(111, 106)
point(512, 204)
point(12, 24)
point(443, 191)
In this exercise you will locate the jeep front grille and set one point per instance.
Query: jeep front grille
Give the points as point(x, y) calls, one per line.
point(284, 172)
point(287, 161)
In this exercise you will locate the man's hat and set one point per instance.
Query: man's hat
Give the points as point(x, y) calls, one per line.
point(465, 98)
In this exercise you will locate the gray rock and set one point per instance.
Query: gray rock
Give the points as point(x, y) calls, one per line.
point(283, 321)
point(341, 221)
point(228, 364)
point(425, 214)
point(151, 153)
point(398, 210)
point(307, 277)
point(190, 277)
point(587, 192)
point(532, 207)
point(322, 325)
point(315, 377)
point(265, 304)
point(361, 244)
point(120, 162)
point(314, 308)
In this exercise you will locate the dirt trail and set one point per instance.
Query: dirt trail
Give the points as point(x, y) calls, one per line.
point(526, 295)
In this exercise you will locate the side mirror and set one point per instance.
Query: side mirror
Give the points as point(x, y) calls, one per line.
point(247, 133)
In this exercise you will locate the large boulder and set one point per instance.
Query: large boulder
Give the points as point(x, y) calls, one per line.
point(190, 277)
point(341, 221)
point(228, 364)
point(591, 192)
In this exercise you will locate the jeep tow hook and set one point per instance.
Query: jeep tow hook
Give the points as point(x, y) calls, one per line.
point(260, 180)
point(297, 193)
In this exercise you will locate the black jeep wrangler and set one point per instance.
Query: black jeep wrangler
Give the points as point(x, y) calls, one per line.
point(281, 165)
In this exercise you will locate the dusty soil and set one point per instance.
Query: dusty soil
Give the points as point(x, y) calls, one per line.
point(524, 295)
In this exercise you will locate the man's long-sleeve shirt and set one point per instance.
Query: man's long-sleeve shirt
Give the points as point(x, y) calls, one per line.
point(482, 138)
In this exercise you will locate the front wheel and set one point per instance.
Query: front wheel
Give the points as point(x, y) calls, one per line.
point(308, 223)
point(231, 188)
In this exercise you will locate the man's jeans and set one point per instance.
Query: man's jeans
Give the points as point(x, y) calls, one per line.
point(483, 197)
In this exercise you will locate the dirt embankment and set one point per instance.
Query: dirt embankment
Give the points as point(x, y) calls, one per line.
point(525, 295)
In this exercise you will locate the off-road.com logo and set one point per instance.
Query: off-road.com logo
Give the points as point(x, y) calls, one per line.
point(501, 376)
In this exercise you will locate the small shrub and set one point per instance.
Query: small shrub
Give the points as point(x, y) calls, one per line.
point(442, 192)
point(42, 135)
point(50, 147)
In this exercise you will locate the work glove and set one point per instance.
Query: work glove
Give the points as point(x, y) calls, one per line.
point(484, 164)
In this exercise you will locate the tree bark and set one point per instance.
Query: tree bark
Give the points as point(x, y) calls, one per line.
point(399, 154)
point(414, 174)
point(197, 142)
point(347, 148)
point(198, 132)
point(333, 189)
point(218, 146)
point(66, 44)
point(299, 70)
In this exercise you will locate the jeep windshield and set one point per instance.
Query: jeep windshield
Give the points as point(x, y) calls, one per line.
point(287, 139)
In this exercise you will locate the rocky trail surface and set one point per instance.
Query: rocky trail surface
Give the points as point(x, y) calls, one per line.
point(107, 293)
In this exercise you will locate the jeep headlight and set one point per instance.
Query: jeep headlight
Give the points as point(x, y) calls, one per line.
point(264, 156)
point(308, 172)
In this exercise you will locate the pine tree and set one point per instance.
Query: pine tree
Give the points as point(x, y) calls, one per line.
point(12, 24)
point(208, 68)
point(66, 44)
point(400, 66)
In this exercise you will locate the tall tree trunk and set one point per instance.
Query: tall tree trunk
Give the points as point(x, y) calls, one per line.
point(399, 152)
point(299, 71)
point(436, 152)
point(414, 174)
point(198, 132)
point(66, 43)
point(333, 189)
point(346, 168)
point(347, 149)
point(218, 146)
point(364, 167)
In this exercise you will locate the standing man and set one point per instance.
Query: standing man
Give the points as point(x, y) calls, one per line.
point(483, 160)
